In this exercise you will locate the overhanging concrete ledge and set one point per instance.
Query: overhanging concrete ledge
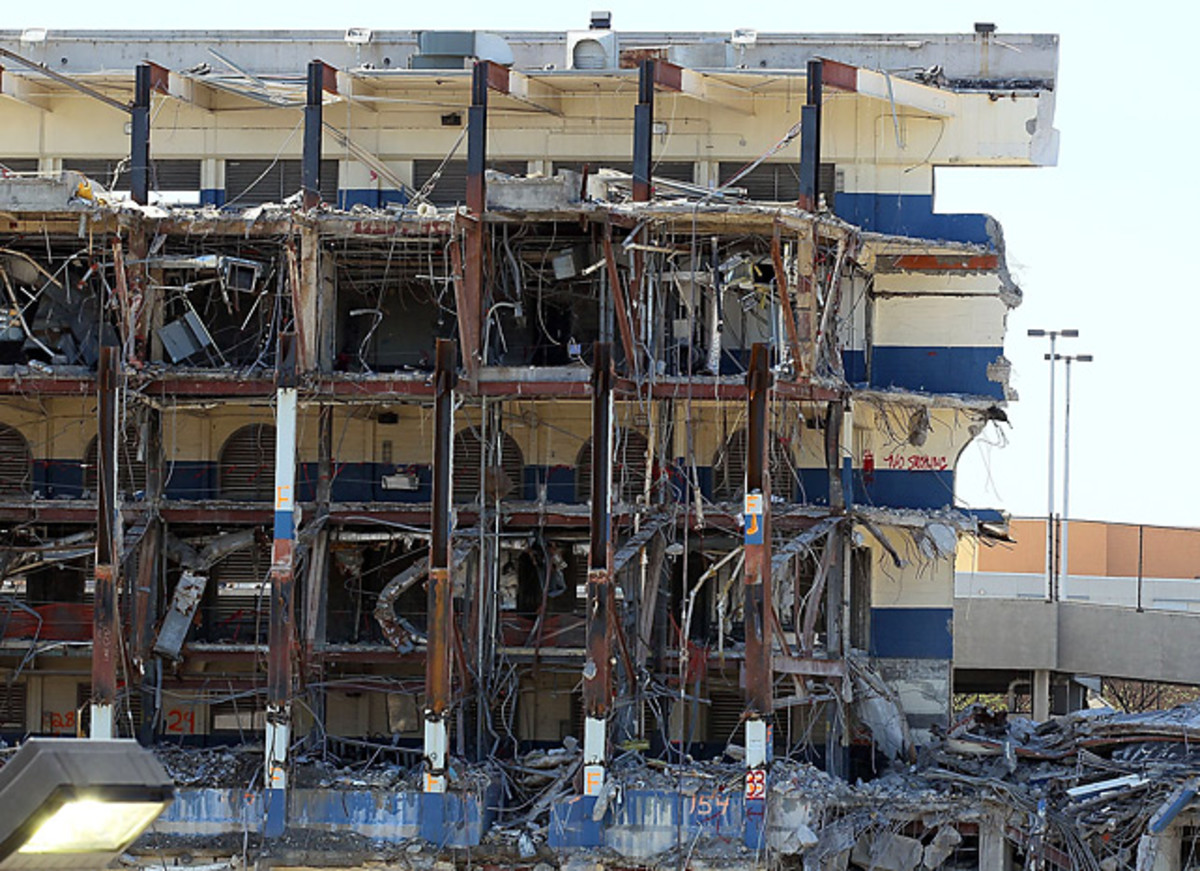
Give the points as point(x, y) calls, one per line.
point(1076, 638)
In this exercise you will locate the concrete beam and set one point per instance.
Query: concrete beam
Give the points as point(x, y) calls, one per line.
point(22, 89)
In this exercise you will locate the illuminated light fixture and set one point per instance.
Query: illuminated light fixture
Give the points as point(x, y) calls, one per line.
point(73, 803)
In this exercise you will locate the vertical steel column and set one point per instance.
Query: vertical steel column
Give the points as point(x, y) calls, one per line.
point(281, 633)
point(104, 611)
point(310, 168)
point(757, 594)
point(597, 671)
point(139, 136)
point(643, 132)
point(810, 139)
point(477, 139)
point(839, 433)
point(440, 630)
point(470, 302)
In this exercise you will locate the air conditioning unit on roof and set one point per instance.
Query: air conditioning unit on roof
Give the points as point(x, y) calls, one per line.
point(592, 50)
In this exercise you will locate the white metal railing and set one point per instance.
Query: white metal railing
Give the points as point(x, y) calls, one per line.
point(1150, 594)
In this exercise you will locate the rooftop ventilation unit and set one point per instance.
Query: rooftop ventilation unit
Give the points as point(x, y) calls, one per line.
point(592, 50)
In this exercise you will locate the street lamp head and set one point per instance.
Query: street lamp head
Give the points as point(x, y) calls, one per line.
point(1036, 334)
point(72, 803)
point(1083, 358)
point(1069, 334)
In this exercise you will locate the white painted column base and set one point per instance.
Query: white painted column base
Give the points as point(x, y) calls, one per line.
point(278, 740)
point(437, 740)
point(103, 723)
point(594, 739)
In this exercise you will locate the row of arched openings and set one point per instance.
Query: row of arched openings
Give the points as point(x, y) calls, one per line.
point(246, 465)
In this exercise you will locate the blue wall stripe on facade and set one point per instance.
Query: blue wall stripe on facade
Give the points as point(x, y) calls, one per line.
point(912, 633)
point(932, 369)
point(909, 215)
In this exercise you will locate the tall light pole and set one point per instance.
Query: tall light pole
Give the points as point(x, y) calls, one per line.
point(1068, 359)
point(1052, 357)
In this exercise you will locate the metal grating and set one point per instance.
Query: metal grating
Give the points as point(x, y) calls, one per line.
point(468, 459)
point(238, 611)
point(780, 182)
point(16, 463)
point(12, 706)
point(246, 468)
point(451, 186)
point(131, 471)
point(628, 471)
point(254, 182)
point(729, 468)
point(165, 175)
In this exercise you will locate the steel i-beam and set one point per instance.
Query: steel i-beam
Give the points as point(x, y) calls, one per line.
point(597, 672)
point(441, 611)
point(810, 139)
point(310, 167)
point(757, 592)
point(281, 632)
point(643, 132)
point(139, 137)
point(104, 611)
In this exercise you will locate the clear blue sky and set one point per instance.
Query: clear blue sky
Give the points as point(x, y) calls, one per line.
point(1101, 243)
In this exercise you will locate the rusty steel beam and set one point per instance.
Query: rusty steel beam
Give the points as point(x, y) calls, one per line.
point(785, 299)
point(756, 590)
point(105, 624)
point(597, 672)
point(440, 630)
point(281, 633)
point(620, 304)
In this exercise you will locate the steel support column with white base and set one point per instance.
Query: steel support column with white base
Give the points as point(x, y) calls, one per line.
point(281, 632)
point(440, 630)
point(756, 589)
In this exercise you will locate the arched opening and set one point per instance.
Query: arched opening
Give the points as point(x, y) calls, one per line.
point(131, 471)
point(629, 467)
point(246, 468)
point(504, 480)
point(16, 463)
point(729, 468)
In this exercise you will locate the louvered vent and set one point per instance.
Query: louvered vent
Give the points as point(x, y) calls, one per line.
point(16, 463)
point(246, 470)
point(239, 712)
point(131, 471)
point(451, 186)
point(780, 182)
point(724, 716)
point(254, 182)
point(239, 612)
point(729, 468)
point(12, 706)
point(676, 170)
point(165, 175)
point(628, 472)
point(18, 164)
point(505, 482)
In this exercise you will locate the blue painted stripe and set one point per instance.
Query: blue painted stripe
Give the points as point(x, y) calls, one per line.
point(912, 633)
point(212, 197)
point(285, 525)
point(936, 369)
point(909, 215)
point(898, 488)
